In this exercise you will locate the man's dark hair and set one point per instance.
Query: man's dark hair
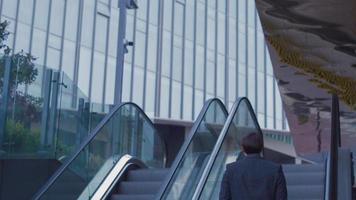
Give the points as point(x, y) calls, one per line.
point(252, 143)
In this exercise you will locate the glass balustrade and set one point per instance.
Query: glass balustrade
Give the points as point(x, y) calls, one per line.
point(196, 151)
point(241, 122)
point(125, 130)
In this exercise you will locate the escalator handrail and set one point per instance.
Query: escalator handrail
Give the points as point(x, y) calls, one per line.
point(188, 141)
point(87, 141)
point(220, 141)
point(115, 175)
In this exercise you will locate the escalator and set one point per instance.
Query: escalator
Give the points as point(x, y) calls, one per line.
point(132, 165)
point(125, 158)
point(304, 181)
point(126, 130)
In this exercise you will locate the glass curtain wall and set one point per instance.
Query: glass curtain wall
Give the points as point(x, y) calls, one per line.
point(184, 52)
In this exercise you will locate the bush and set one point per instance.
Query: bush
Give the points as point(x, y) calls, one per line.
point(21, 139)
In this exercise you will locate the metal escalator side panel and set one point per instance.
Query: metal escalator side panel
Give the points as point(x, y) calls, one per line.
point(240, 122)
point(198, 146)
point(125, 130)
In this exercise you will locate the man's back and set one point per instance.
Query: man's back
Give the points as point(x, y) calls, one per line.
point(253, 178)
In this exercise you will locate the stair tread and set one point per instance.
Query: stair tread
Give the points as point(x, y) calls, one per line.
point(132, 197)
point(306, 178)
point(305, 191)
point(147, 175)
point(289, 168)
point(142, 187)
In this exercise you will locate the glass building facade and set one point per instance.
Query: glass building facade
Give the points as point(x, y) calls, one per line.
point(185, 52)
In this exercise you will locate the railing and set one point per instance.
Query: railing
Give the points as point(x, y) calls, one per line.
point(331, 187)
point(43, 113)
point(125, 130)
point(190, 161)
point(240, 122)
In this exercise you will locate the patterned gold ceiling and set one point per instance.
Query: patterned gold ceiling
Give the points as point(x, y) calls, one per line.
point(312, 44)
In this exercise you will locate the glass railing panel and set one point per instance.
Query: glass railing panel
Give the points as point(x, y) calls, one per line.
point(196, 151)
point(73, 118)
point(243, 122)
point(126, 130)
point(42, 113)
point(21, 107)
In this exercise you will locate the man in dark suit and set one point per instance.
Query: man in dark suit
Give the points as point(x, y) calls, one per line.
point(251, 177)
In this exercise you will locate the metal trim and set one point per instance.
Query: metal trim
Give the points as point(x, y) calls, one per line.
point(133, 56)
point(171, 63)
point(92, 51)
point(194, 57)
point(146, 55)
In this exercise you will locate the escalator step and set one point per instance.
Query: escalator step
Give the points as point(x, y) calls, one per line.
point(147, 175)
point(144, 187)
point(132, 197)
point(305, 178)
point(303, 199)
point(302, 168)
point(305, 192)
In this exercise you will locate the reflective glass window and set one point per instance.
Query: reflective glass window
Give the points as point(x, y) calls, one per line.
point(68, 58)
point(187, 104)
point(177, 64)
point(232, 80)
point(164, 97)
point(199, 67)
point(71, 23)
point(57, 13)
point(110, 81)
point(178, 19)
point(199, 101)
point(53, 57)
point(242, 10)
point(221, 76)
point(261, 92)
point(140, 45)
point(84, 69)
point(25, 11)
point(269, 93)
point(97, 81)
point(210, 80)
point(154, 6)
point(242, 47)
point(142, 9)
point(166, 53)
point(189, 21)
point(176, 102)
point(41, 13)
point(87, 23)
point(152, 48)
point(252, 86)
point(221, 33)
point(200, 23)
point(150, 93)
point(188, 63)
point(23, 37)
point(126, 87)
point(167, 14)
point(137, 91)
point(9, 8)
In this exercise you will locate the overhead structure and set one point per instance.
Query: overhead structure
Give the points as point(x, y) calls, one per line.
point(312, 44)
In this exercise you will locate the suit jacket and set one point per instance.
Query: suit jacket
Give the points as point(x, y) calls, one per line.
point(252, 177)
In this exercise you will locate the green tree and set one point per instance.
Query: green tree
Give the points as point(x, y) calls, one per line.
point(24, 107)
